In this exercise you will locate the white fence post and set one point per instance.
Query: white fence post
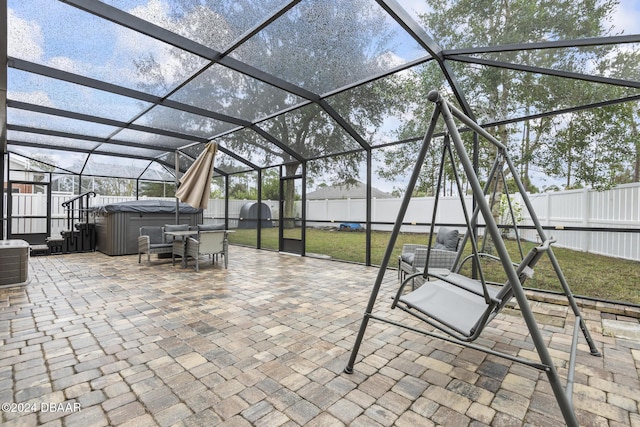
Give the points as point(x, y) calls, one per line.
point(586, 214)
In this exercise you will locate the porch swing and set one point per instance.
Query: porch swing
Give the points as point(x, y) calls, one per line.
point(460, 305)
point(475, 301)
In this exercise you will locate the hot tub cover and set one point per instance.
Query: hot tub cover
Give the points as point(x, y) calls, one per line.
point(147, 206)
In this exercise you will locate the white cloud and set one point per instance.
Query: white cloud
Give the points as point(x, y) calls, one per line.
point(24, 39)
point(35, 97)
point(66, 64)
point(129, 48)
point(414, 7)
point(627, 17)
point(389, 60)
point(155, 11)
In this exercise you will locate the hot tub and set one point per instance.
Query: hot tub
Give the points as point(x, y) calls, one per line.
point(118, 224)
point(14, 263)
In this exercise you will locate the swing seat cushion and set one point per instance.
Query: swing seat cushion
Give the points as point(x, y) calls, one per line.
point(447, 239)
point(458, 306)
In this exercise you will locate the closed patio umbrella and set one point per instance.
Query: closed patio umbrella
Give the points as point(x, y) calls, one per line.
point(195, 184)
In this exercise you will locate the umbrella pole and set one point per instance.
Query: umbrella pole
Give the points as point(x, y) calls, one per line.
point(177, 162)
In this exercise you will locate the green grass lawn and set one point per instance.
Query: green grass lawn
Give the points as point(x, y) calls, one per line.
point(589, 275)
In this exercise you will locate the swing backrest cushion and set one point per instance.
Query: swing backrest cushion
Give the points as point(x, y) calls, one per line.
point(447, 239)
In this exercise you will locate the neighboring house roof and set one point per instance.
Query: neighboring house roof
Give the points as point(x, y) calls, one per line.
point(356, 191)
point(17, 163)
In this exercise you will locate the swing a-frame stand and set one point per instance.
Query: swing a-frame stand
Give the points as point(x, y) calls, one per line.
point(459, 307)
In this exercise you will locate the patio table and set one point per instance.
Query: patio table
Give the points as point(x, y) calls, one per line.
point(183, 234)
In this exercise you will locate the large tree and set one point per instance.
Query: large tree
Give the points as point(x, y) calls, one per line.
point(499, 93)
point(589, 147)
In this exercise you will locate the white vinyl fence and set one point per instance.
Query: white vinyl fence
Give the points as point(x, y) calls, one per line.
point(615, 208)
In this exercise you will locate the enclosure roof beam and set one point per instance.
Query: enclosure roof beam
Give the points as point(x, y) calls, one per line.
point(220, 172)
point(62, 134)
point(100, 120)
point(78, 150)
point(190, 157)
point(88, 151)
point(344, 124)
point(147, 28)
point(44, 70)
point(420, 35)
point(139, 25)
point(520, 119)
point(97, 84)
point(110, 122)
point(381, 75)
point(171, 167)
point(327, 156)
point(546, 71)
point(583, 107)
point(63, 113)
point(277, 142)
point(46, 163)
point(260, 26)
point(555, 44)
point(416, 31)
point(238, 158)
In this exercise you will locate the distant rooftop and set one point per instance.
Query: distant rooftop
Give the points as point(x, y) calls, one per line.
point(355, 191)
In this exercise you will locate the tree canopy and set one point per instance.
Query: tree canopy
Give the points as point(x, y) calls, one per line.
point(596, 147)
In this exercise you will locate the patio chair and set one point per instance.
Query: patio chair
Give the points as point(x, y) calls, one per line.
point(442, 255)
point(212, 243)
point(151, 241)
point(178, 243)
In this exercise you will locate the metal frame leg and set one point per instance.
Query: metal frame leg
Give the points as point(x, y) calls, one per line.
point(426, 142)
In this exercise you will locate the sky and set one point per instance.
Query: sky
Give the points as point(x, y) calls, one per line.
point(38, 37)
point(35, 34)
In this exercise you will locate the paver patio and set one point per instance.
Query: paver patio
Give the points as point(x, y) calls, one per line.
point(95, 340)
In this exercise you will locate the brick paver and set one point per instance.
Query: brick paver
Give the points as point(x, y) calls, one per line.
point(96, 340)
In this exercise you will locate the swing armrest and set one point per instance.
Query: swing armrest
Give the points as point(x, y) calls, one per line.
point(543, 247)
point(480, 255)
point(546, 244)
point(406, 280)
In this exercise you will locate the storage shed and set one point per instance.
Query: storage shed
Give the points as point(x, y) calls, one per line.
point(251, 211)
point(118, 224)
